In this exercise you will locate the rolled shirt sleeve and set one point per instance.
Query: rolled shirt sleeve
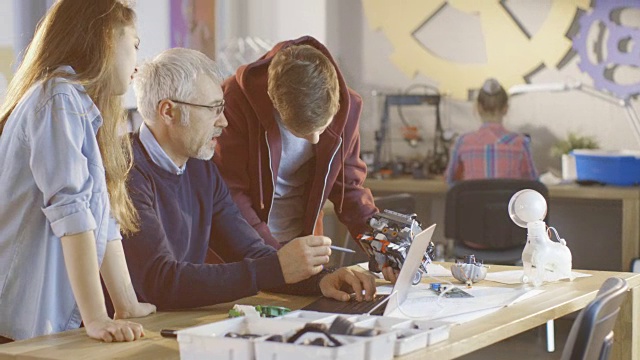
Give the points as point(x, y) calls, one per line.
point(60, 137)
point(113, 231)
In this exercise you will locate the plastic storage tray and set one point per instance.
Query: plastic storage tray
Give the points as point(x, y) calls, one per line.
point(353, 348)
point(376, 347)
point(437, 330)
point(209, 341)
point(621, 168)
point(382, 322)
point(315, 316)
point(410, 340)
point(396, 337)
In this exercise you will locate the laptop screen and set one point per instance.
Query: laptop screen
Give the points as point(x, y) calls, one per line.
point(410, 266)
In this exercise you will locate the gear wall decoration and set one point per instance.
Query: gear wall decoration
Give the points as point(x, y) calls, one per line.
point(6, 59)
point(602, 14)
point(511, 54)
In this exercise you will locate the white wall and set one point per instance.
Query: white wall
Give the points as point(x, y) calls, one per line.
point(296, 18)
point(6, 41)
point(271, 20)
point(153, 30)
point(6, 25)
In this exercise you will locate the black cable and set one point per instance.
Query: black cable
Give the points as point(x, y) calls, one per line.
point(407, 91)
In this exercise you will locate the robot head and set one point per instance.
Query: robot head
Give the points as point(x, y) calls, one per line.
point(527, 206)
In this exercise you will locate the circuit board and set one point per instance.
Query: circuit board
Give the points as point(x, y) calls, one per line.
point(454, 292)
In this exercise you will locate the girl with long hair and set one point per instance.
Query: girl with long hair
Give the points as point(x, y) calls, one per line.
point(63, 168)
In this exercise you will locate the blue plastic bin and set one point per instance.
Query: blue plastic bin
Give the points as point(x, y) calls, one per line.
point(620, 168)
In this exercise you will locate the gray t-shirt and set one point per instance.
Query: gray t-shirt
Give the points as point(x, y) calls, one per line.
point(286, 215)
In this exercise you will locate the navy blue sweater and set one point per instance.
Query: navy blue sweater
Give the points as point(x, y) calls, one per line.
point(181, 216)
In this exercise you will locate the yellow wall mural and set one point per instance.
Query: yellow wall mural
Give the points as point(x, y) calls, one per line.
point(511, 53)
point(6, 61)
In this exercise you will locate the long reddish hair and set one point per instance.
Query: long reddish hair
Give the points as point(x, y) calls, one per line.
point(82, 34)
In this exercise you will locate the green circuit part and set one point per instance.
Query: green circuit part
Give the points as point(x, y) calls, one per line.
point(272, 311)
point(235, 313)
point(267, 311)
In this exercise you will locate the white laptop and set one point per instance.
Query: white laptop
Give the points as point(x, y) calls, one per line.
point(411, 264)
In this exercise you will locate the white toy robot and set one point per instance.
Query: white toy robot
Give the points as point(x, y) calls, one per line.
point(542, 258)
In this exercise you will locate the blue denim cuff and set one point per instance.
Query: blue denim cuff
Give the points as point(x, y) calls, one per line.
point(113, 231)
point(70, 219)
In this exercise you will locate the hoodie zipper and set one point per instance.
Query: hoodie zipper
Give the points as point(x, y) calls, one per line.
point(324, 187)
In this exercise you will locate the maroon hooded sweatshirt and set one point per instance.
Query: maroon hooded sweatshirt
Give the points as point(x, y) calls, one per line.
point(249, 152)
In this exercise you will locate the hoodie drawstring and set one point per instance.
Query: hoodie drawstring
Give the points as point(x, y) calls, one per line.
point(260, 169)
point(342, 169)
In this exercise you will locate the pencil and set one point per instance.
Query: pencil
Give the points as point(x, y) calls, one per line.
point(338, 248)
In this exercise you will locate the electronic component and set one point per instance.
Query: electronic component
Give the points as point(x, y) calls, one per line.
point(388, 242)
point(258, 311)
point(449, 291)
point(469, 270)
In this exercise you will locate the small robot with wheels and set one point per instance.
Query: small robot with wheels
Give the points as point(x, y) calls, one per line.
point(389, 240)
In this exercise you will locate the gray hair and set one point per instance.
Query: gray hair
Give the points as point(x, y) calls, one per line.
point(171, 75)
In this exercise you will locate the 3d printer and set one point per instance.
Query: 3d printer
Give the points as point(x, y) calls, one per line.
point(437, 158)
point(389, 240)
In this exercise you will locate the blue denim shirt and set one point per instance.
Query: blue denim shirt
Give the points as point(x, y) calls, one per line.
point(52, 184)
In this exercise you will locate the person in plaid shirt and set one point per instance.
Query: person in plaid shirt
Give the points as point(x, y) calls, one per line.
point(492, 151)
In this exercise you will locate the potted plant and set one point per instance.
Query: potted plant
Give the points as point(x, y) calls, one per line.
point(563, 150)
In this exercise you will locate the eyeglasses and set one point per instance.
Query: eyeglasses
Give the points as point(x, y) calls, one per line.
point(217, 108)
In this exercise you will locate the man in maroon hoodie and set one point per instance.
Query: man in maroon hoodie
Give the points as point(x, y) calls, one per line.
point(293, 142)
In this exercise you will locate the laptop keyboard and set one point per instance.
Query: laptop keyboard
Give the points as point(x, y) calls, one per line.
point(348, 307)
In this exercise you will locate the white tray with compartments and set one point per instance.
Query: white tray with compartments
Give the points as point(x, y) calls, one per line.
point(438, 330)
point(382, 322)
point(209, 341)
point(395, 337)
point(410, 340)
point(352, 348)
point(315, 316)
point(377, 347)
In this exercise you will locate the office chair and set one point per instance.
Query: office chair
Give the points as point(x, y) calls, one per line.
point(476, 212)
point(591, 335)
point(403, 203)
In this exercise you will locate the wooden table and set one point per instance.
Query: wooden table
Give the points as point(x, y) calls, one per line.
point(559, 299)
point(628, 196)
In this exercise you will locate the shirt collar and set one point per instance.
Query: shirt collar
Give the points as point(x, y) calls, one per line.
point(492, 125)
point(157, 153)
point(87, 103)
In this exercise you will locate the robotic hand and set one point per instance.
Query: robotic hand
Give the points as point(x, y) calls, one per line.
point(389, 240)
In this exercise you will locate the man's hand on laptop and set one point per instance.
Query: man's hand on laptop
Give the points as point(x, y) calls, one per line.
point(390, 274)
point(353, 281)
point(303, 257)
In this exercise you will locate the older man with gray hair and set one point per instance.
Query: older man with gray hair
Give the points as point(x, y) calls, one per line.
point(185, 208)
